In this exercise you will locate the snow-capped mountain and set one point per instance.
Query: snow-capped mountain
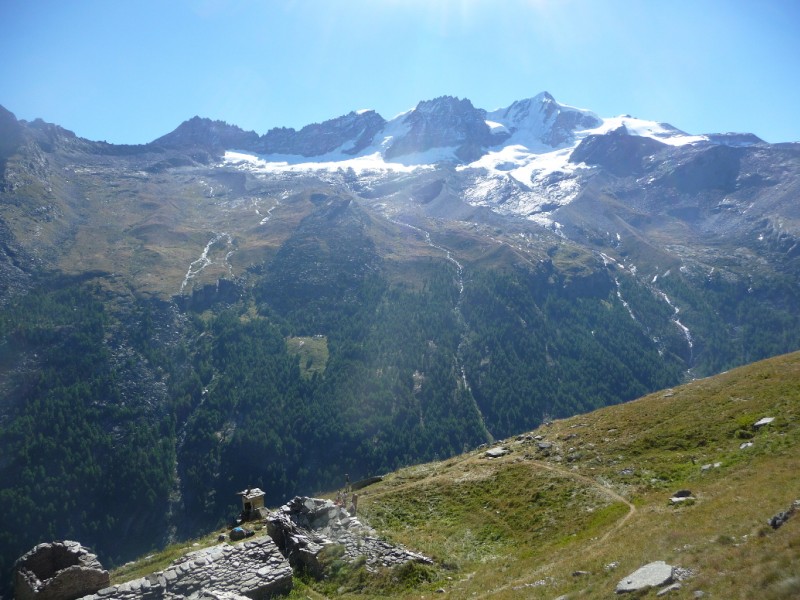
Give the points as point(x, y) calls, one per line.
point(542, 122)
point(445, 129)
point(527, 159)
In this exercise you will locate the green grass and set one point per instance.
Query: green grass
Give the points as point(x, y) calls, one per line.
point(521, 525)
point(312, 351)
point(160, 560)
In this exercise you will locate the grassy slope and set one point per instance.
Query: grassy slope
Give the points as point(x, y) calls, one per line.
point(521, 525)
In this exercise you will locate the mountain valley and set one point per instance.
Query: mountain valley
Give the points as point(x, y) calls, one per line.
point(218, 309)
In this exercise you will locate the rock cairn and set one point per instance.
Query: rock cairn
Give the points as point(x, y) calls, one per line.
point(58, 571)
point(304, 527)
point(254, 569)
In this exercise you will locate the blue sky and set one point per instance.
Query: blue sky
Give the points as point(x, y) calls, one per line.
point(130, 71)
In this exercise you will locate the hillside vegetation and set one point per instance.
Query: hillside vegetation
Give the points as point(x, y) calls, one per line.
point(572, 519)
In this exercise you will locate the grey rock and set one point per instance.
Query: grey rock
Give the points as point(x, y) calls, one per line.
point(304, 527)
point(710, 466)
point(655, 574)
point(669, 589)
point(680, 499)
point(779, 519)
point(761, 422)
point(496, 452)
point(252, 570)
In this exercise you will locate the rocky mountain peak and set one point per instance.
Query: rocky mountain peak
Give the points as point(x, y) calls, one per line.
point(10, 132)
point(205, 133)
point(349, 133)
point(444, 122)
point(617, 151)
point(542, 120)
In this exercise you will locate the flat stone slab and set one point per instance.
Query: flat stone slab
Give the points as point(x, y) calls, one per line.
point(496, 452)
point(764, 421)
point(654, 574)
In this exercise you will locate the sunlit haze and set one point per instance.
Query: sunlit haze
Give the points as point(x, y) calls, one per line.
point(129, 72)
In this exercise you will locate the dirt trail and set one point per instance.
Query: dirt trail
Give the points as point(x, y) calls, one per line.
point(599, 486)
point(587, 548)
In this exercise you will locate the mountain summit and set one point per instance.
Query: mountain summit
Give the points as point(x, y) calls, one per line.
point(542, 120)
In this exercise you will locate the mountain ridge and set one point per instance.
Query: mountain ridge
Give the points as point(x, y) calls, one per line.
point(536, 121)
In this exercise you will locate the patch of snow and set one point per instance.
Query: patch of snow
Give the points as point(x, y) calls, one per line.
point(621, 299)
point(201, 263)
point(280, 163)
point(661, 132)
point(686, 333)
point(496, 127)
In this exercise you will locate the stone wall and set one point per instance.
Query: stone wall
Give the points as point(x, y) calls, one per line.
point(254, 569)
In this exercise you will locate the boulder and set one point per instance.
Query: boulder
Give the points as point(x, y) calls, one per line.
point(681, 499)
point(58, 571)
point(496, 452)
point(654, 574)
point(779, 519)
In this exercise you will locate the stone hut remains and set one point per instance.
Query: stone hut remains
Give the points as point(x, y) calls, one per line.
point(252, 504)
point(58, 571)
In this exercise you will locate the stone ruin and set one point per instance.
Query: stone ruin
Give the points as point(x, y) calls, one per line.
point(58, 571)
point(259, 568)
point(304, 527)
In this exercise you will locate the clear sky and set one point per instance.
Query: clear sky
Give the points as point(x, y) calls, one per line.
point(129, 71)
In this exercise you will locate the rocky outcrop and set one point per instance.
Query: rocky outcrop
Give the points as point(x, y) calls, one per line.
point(617, 151)
point(255, 569)
point(444, 122)
point(776, 521)
point(348, 134)
point(58, 571)
point(198, 132)
point(305, 527)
